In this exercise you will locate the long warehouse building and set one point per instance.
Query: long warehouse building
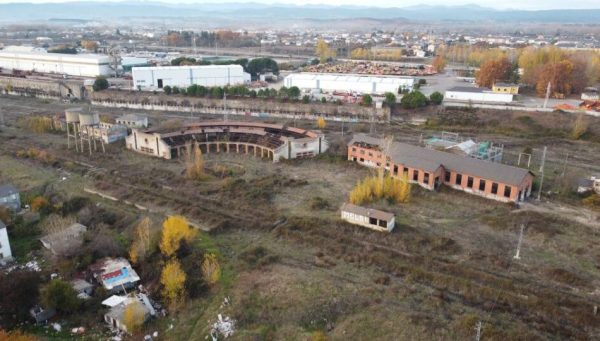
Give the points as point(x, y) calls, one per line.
point(157, 77)
point(328, 82)
point(84, 65)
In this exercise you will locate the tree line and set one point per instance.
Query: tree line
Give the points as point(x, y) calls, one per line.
point(254, 67)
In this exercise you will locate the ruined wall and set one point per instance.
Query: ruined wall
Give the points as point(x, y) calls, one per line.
point(238, 106)
point(44, 88)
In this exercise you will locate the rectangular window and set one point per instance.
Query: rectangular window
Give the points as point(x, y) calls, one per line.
point(458, 179)
point(370, 154)
point(470, 182)
point(395, 169)
point(406, 171)
point(507, 190)
point(482, 185)
point(494, 188)
point(426, 178)
point(415, 175)
point(362, 160)
point(372, 221)
point(447, 176)
point(353, 149)
point(383, 223)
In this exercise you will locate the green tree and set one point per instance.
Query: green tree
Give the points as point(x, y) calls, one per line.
point(101, 83)
point(167, 89)
point(175, 90)
point(436, 98)
point(414, 99)
point(258, 65)
point(323, 100)
point(367, 100)
point(305, 99)
point(60, 295)
point(390, 99)
point(294, 92)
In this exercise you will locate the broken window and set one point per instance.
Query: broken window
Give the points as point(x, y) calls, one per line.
point(415, 175)
point(447, 176)
point(426, 178)
point(494, 188)
point(383, 223)
point(507, 190)
point(458, 179)
point(482, 185)
point(470, 182)
point(372, 221)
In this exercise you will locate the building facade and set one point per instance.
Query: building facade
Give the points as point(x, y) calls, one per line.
point(133, 120)
point(476, 95)
point(270, 141)
point(431, 168)
point(505, 88)
point(327, 82)
point(157, 77)
point(84, 65)
point(367, 217)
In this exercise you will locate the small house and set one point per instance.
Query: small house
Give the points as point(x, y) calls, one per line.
point(9, 197)
point(115, 316)
point(368, 217)
point(65, 241)
point(133, 121)
point(589, 184)
point(83, 288)
point(5, 253)
point(506, 88)
point(115, 274)
point(41, 315)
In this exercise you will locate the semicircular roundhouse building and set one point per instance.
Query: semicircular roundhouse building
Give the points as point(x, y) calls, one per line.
point(264, 140)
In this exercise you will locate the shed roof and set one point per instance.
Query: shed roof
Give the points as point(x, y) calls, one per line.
point(367, 212)
point(431, 160)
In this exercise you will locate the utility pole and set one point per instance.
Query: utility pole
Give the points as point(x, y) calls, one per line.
point(547, 94)
point(342, 127)
point(539, 196)
point(478, 329)
point(518, 254)
point(565, 165)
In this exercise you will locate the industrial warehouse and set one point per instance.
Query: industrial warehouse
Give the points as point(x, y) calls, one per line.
point(183, 76)
point(478, 95)
point(271, 141)
point(350, 83)
point(430, 168)
point(83, 65)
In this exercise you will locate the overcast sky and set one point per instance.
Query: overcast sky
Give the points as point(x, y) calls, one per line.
point(504, 4)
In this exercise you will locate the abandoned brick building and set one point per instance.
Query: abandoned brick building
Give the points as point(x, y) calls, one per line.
point(431, 168)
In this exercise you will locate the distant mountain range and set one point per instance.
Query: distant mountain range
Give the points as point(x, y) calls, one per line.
point(19, 12)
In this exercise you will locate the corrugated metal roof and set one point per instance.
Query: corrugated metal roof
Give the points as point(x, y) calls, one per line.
point(430, 160)
point(7, 189)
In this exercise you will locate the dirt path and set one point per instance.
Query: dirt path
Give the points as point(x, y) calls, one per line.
point(579, 215)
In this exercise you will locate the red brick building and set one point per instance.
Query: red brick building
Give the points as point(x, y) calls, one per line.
point(430, 168)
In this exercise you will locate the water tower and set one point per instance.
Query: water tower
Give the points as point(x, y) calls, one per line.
point(72, 118)
point(88, 127)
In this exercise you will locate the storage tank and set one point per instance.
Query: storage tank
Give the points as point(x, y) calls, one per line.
point(72, 115)
point(89, 119)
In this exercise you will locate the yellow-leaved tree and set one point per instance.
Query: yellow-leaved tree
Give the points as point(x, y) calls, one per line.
point(173, 282)
point(373, 187)
point(211, 270)
point(194, 163)
point(402, 194)
point(141, 243)
point(175, 229)
point(134, 316)
point(321, 123)
point(323, 51)
point(580, 127)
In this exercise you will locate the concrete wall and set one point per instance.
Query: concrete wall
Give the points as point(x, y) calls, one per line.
point(184, 76)
point(244, 107)
point(44, 88)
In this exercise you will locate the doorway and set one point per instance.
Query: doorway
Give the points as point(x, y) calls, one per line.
point(160, 83)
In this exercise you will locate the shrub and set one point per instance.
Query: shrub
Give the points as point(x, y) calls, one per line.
point(39, 204)
point(167, 89)
point(367, 100)
point(101, 83)
point(60, 295)
point(436, 98)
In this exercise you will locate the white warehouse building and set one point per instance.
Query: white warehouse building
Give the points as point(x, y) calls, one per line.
point(184, 76)
point(476, 95)
point(328, 82)
point(84, 65)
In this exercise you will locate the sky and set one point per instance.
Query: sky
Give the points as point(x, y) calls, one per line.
point(504, 4)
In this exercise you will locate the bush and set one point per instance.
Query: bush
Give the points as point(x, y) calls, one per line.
point(101, 83)
point(436, 98)
point(367, 100)
point(60, 295)
point(167, 89)
point(318, 203)
point(305, 99)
